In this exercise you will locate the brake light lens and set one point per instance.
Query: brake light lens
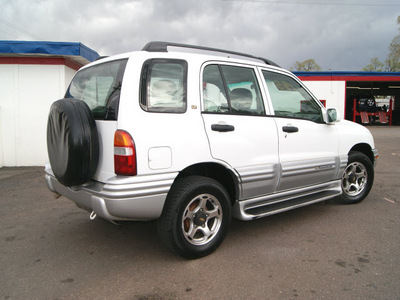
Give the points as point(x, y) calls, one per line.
point(124, 154)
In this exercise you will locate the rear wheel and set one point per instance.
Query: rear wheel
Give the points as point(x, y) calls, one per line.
point(357, 178)
point(196, 217)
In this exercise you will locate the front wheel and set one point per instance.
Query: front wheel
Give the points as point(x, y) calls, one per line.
point(357, 178)
point(196, 217)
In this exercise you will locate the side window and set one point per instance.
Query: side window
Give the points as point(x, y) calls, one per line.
point(99, 87)
point(163, 86)
point(290, 99)
point(231, 89)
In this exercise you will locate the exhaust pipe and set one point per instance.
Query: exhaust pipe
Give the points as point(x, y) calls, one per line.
point(92, 216)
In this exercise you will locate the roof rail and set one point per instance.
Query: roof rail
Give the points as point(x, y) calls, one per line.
point(163, 47)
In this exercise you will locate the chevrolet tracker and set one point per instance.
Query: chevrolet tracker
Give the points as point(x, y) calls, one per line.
point(192, 136)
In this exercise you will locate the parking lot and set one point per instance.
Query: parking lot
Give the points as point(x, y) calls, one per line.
point(51, 250)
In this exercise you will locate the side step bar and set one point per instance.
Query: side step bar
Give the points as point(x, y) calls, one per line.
point(282, 201)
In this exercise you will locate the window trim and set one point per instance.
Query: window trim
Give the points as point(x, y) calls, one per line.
point(144, 90)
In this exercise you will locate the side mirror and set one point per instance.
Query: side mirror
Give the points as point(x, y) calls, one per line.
point(332, 115)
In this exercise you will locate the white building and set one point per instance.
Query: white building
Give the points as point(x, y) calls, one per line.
point(32, 76)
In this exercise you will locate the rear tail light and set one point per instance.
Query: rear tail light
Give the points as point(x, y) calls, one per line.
point(124, 154)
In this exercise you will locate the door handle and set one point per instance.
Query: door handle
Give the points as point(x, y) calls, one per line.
point(290, 128)
point(222, 127)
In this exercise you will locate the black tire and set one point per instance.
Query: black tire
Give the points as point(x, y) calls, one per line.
point(367, 104)
point(72, 142)
point(357, 178)
point(196, 217)
point(371, 102)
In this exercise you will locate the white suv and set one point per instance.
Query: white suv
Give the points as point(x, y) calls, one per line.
point(193, 136)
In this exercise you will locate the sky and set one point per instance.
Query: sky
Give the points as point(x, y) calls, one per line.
point(340, 35)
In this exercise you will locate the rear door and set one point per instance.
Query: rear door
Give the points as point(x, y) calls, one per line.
point(99, 86)
point(308, 147)
point(239, 132)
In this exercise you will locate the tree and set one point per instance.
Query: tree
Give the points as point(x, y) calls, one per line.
point(393, 58)
point(375, 66)
point(392, 62)
point(308, 65)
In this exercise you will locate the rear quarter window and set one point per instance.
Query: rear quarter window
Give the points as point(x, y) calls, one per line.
point(163, 86)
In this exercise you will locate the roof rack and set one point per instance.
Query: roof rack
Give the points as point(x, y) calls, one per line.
point(163, 47)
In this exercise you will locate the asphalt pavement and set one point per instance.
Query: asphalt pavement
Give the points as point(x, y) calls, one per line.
point(51, 250)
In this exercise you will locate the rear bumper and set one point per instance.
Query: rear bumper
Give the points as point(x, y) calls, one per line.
point(138, 198)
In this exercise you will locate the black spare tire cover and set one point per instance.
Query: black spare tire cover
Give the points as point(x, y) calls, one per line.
point(72, 141)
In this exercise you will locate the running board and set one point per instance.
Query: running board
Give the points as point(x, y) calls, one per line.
point(279, 202)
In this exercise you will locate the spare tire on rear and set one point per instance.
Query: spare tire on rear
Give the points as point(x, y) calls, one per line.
point(72, 141)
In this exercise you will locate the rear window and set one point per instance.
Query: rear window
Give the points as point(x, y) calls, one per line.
point(99, 86)
point(163, 86)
